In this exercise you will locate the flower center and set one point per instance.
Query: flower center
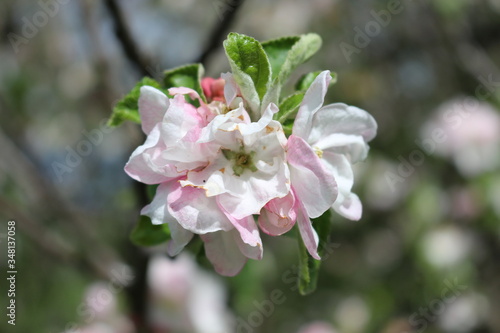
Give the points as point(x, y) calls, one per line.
point(318, 152)
point(240, 160)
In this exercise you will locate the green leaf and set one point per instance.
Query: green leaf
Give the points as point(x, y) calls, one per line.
point(289, 107)
point(306, 80)
point(277, 51)
point(308, 266)
point(127, 108)
point(188, 76)
point(146, 233)
point(301, 51)
point(285, 55)
point(250, 66)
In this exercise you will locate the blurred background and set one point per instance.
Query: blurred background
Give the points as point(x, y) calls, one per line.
point(425, 256)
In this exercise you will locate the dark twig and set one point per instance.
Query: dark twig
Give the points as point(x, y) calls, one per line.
point(44, 199)
point(226, 13)
point(125, 38)
point(50, 243)
point(36, 232)
point(137, 291)
point(7, 25)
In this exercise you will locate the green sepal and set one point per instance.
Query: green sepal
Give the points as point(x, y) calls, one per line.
point(128, 108)
point(308, 266)
point(146, 233)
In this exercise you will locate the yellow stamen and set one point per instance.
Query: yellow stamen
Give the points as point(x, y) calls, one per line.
point(318, 152)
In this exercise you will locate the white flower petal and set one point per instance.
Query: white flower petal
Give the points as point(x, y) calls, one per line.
point(152, 107)
point(146, 163)
point(314, 186)
point(231, 89)
point(255, 190)
point(347, 203)
point(312, 102)
point(340, 167)
point(220, 128)
point(211, 178)
point(250, 129)
point(345, 129)
point(223, 252)
point(350, 208)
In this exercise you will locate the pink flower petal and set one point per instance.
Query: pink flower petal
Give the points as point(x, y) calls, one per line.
point(307, 232)
point(278, 216)
point(179, 120)
point(184, 91)
point(246, 227)
point(158, 213)
point(213, 88)
point(146, 163)
point(206, 85)
point(252, 252)
point(195, 211)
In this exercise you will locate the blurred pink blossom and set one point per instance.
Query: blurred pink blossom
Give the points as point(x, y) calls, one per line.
point(100, 312)
point(318, 327)
point(470, 135)
point(183, 298)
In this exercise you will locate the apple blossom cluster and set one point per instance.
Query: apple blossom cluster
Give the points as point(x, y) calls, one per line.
point(226, 173)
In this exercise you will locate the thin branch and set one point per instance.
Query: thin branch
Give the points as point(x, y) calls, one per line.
point(7, 26)
point(44, 199)
point(137, 291)
point(52, 245)
point(227, 16)
point(45, 241)
point(467, 55)
point(125, 38)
